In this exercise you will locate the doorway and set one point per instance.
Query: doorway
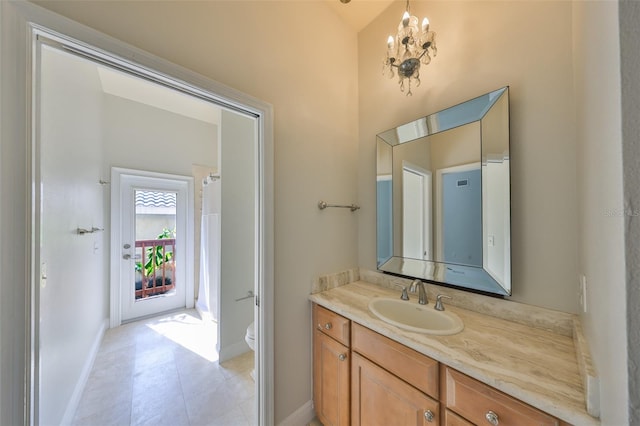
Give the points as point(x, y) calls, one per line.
point(158, 266)
point(153, 226)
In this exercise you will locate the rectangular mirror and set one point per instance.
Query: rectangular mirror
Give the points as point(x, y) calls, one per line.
point(443, 196)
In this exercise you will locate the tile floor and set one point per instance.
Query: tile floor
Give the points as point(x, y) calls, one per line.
point(165, 371)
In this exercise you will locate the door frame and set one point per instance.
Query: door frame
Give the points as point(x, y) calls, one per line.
point(115, 284)
point(22, 23)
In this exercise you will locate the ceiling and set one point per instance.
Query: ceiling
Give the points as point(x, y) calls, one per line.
point(359, 13)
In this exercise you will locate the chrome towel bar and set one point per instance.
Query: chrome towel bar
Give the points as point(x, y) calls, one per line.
point(323, 205)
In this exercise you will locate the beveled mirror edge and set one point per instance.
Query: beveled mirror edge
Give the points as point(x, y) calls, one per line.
point(436, 272)
point(422, 124)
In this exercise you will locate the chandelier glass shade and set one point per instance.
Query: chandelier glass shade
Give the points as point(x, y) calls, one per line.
point(412, 46)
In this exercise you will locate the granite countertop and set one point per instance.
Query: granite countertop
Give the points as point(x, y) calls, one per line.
point(536, 366)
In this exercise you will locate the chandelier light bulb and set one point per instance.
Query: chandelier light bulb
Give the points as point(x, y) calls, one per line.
point(411, 47)
point(405, 19)
point(425, 24)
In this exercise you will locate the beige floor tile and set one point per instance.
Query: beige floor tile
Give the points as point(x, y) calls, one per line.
point(164, 371)
point(117, 415)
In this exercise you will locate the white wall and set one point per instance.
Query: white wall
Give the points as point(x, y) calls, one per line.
point(484, 45)
point(139, 136)
point(238, 233)
point(601, 209)
point(301, 58)
point(73, 299)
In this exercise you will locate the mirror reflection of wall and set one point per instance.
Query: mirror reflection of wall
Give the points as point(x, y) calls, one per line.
point(384, 203)
point(443, 196)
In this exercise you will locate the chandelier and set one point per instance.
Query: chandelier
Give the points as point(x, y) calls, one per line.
point(411, 47)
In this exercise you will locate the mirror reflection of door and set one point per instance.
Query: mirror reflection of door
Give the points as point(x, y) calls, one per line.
point(416, 212)
point(462, 217)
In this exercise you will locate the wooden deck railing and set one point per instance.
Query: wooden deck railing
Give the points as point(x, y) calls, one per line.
point(160, 256)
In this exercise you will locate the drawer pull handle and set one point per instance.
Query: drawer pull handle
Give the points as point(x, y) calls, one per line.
point(328, 326)
point(428, 415)
point(492, 418)
point(342, 357)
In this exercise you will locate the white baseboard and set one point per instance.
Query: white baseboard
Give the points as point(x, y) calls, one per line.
point(233, 350)
point(72, 406)
point(301, 417)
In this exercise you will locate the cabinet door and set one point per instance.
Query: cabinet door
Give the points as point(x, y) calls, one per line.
point(381, 399)
point(330, 380)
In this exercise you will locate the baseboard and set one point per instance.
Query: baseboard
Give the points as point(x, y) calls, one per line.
point(301, 417)
point(72, 406)
point(232, 351)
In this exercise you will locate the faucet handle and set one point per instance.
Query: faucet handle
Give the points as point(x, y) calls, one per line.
point(439, 306)
point(404, 295)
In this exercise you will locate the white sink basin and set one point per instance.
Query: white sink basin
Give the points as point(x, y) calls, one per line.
point(414, 317)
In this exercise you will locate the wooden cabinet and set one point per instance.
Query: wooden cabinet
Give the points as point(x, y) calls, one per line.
point(331, 367)
point(390, 383)
point(366, 379)
point(378, 398)
point(481, 404)
point(411, 366)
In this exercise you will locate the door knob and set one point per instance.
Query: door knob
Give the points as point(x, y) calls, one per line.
point(126, 256)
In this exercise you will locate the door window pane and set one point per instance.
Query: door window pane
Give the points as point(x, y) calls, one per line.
point(155, 228)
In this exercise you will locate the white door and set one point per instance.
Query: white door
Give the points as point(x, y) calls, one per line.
point(152, 239)
point(416, 213)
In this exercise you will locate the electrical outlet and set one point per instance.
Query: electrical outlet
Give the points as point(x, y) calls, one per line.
point(582, 293)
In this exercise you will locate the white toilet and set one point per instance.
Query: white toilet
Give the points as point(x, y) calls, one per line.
point(250, 338)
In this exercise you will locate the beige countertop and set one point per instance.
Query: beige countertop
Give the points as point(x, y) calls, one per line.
point(536, 366)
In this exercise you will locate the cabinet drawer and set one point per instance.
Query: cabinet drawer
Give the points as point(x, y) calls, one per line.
point(409, 365)
point(477, 402)
point(452, 419)
point(331, 324)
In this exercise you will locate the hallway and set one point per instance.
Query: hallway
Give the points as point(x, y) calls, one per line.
point(164, 371)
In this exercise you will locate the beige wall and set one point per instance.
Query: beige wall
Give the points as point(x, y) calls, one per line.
point(598, 119)
point(482, 46)
point(301, 58)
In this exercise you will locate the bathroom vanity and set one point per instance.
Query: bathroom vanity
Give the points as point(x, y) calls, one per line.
point(494, 372)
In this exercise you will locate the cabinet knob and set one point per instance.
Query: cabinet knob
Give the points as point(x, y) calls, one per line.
point(342, 357)
point(492, 418)
point(428, 415)
point(328, 326)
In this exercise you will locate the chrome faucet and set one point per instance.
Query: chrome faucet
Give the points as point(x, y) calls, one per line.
point(439, 306)
point(422, 292)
